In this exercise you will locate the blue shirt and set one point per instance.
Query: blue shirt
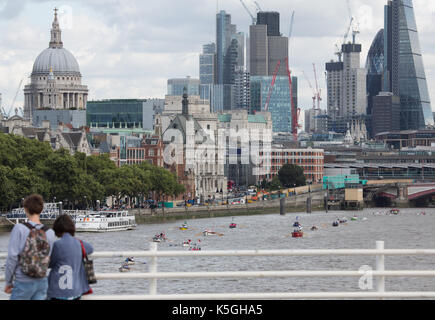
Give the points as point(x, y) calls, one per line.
point(67, 278)
point(17, 242)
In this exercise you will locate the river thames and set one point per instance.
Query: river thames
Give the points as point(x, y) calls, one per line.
point(408, 230)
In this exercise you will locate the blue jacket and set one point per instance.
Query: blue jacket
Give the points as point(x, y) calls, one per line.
point(67, 278)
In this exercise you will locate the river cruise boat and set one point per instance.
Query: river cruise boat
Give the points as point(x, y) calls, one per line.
point(104, 221)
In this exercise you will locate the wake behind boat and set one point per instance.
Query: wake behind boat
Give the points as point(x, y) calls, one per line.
point(104, 221)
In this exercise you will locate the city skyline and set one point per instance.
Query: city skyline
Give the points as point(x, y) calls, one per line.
point(123, 56)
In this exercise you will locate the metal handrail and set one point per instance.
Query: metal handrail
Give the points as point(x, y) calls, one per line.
point(379, 274)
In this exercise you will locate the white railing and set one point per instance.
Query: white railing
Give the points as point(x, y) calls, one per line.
point(378, 275)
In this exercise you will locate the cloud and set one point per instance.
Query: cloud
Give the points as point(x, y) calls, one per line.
point(129, 48)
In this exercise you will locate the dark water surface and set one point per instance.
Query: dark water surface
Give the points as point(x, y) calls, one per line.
point(405, 231)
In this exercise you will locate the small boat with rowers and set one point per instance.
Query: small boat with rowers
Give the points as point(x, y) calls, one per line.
point(335, 223)
point(232, 224)
point(184, 226)
point(187, 243)
point(129, 261)
point(297, 233)
point(194, 247)
point(159, 237)
point(354, 218)
point(124, 268)
point(314, 228)
point(395, 211)
point(343, 220)
point(296, 224)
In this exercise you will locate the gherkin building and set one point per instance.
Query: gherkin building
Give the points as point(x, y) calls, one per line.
point(375, 70)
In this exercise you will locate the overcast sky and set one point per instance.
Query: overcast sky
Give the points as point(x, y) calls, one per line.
point(129, 48)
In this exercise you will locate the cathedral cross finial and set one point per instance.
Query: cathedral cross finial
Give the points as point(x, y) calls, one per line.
point(56, 33)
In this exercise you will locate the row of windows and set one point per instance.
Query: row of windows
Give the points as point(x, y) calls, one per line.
point(303, 154)
point(63, 78)
point(119, 223)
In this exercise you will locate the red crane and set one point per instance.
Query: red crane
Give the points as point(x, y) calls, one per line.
point(266, 107)
point(318, 92)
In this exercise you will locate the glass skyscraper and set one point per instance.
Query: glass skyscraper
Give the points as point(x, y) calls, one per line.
point(176, 86)
point(375, 70)
point(404, 73)
point(207, 70)
point(279, 104)
point(230, 48)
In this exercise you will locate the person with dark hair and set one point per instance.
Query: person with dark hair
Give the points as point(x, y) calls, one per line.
point(29, 251)
point(67, 279)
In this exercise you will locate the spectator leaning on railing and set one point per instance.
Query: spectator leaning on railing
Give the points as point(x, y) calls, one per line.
point(29, 251)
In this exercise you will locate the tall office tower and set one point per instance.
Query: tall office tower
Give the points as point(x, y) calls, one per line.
point(223, 41)
point(347, 83)
point(230, 46)
point(258, 50)
point(240, 37)
point(375, 70)
point(386, 111)
point(355, 82)
point(404, 73)
point(242, 90)
point(334, 71)
point(176, 86)
point(271, 19)
point(248, 55)
point(267, 46)
point(207, 70)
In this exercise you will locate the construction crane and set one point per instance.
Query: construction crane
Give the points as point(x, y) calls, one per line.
point(338, 53)
point(254, 20)
point(348, 30)
point(275, 74)
point(258, 6)
point(318, 91)
point(314, 91)
point(291, 25)
point(355, 30)
point(13, 101)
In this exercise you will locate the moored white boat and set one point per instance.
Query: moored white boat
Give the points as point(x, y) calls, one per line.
point(104, 221)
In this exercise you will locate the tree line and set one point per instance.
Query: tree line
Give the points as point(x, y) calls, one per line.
point(29, 166)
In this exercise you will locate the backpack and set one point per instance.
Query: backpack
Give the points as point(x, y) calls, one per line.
point(35, 257)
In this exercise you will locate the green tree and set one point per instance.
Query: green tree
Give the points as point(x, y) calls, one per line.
point(24, 182)
point(6, 189)
point(290, 175)
point(62, 173)
point(275, 184)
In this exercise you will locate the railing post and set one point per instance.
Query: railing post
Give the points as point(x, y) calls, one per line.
point(380, 266)
point(153, 269)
